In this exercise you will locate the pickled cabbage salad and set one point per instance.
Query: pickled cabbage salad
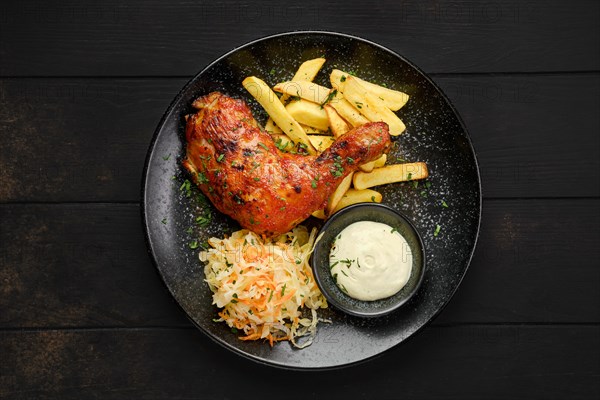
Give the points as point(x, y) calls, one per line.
point(265, 287)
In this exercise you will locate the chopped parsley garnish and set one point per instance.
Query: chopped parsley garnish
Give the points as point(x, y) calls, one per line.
point(444, 204)
point(220, 158)
point(164, 221)
point(203, 220)
point(264, 146)
point(343, 78)
point(186, 187)
point(281, 145)
point(193, 245)
point(313, 183)
point(202, 178)
point(337, 169)
point(437, 230)
point(330, 97)
point(166, 158)
point(254, 166)
point(409, 176)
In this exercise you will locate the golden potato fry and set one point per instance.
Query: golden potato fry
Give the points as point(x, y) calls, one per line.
point(304, 89)
point(273, 106)
point(380, 162)
point(308, 113)
point(353, 196)
point(319, 214)
point(392, 99)
point(390, 174)
point(368, 167)
point(339, 192)
point(370, 106)
point(321, 142)
point(306, 72)
point(337, 125)
point(309, 69)
point(271, 127)
point(346, 111)
point(311, 130)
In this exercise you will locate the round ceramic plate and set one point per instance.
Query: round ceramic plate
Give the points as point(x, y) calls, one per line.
point(446, 208)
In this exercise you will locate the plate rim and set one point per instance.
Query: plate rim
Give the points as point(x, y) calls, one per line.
point(151, 149)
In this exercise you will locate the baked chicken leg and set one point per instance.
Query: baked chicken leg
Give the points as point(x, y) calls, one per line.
point(240, 169)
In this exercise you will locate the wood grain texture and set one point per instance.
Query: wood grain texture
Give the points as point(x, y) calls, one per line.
point(178, 38)
point(86, 139)
point(85, 265)
point(441, 362)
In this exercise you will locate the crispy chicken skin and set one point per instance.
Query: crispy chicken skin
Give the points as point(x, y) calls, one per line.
point(238, 167)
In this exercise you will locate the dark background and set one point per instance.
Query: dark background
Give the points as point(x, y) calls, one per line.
point(83, 313)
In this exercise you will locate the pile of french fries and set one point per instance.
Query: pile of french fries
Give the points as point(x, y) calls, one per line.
point(313, 117)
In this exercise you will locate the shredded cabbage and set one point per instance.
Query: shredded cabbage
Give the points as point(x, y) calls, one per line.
point(262, 285)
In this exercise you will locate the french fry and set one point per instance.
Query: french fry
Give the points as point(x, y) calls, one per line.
point(273, 106)
point(321, 142)
point(368, 167)
point(309, 69)
point(311, 130)
point(380, 162)
point(336, 123)
point(390, 174)
point(353, 196)
point(308, 113)
point(319, 214)
point(271, 127)
point(393, 99)
point(304, 89)
point(346, 111)
point(339, 192)
point(370, 106)
point(306, 72)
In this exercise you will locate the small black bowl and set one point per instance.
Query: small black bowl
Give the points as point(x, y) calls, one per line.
point(320, 259)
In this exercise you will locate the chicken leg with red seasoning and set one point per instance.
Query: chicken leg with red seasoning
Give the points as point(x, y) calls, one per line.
point(239, 168)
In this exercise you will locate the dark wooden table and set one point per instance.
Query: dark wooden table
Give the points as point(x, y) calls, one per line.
point(83, 313)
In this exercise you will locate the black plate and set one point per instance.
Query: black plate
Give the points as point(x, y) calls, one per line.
point(435, 134)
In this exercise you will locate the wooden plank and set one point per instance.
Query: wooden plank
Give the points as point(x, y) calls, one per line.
point(83, 265)
point(114, 39)
point(521, 362)
point(78, 140)
point(536, 260)
point(528, 132)
point(86, 139)
point(79, 265)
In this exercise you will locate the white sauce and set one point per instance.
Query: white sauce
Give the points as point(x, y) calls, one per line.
point(370, 261)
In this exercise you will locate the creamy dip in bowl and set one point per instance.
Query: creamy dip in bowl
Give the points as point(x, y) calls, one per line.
point(368, 260)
